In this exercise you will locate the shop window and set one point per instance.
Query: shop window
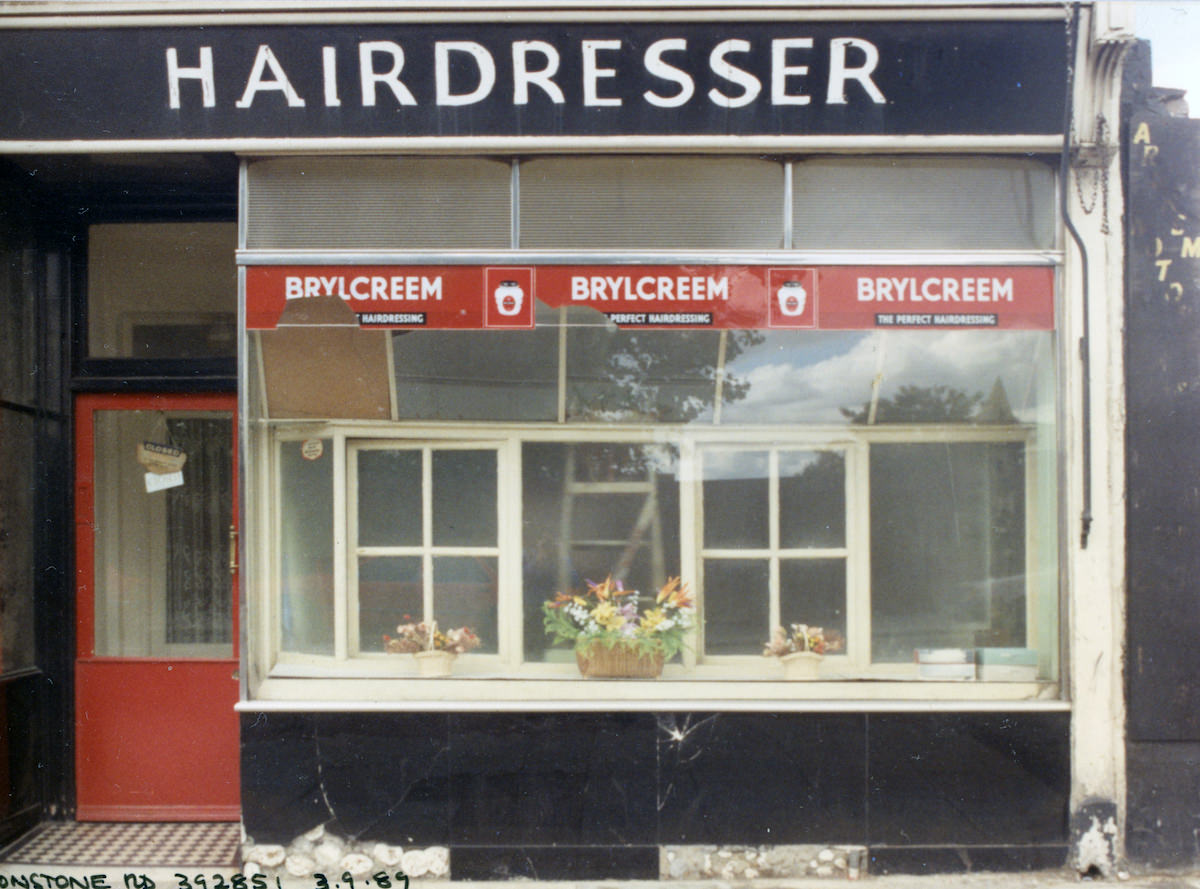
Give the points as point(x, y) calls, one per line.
point(948, 561)
point(918, 515)
point(426, 540)
point(895, 487)
point(305, 552)
point(774, 544)
point(162, 291)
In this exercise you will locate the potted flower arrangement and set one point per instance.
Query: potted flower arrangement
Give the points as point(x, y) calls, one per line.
point(434, 650)
point(801, 649)
point(613, 635)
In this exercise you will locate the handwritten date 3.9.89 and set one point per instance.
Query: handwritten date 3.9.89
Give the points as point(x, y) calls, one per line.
point(381, 880)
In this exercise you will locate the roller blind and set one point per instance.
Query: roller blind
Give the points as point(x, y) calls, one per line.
point(923, 204)
point(651, 203)
point(398, 203)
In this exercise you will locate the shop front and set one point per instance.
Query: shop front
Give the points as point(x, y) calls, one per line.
point(658, 444)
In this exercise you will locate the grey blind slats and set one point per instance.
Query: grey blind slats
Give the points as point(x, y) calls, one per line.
point(651, 203)
point(923, 204)
point(396, 203)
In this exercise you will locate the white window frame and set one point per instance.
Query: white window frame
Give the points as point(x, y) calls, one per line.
point(693, 678)
point(427, 550)
point(852, 453)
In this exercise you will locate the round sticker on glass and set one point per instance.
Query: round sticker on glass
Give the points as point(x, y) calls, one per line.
point(312, 449)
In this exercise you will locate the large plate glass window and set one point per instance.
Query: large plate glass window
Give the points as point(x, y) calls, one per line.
point(896, 487)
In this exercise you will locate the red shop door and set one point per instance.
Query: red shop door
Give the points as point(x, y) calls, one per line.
point(156, 734)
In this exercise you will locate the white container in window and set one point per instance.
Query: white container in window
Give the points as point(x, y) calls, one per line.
point(945, 663)
point(792, 298)
point(434, 664)
point(510, 297)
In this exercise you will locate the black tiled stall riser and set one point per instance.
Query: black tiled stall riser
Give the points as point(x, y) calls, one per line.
point(589, 795)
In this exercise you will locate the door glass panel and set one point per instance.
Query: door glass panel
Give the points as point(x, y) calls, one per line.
point(162, 582)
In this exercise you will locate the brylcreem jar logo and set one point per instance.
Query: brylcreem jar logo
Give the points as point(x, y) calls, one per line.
point(792, 296)
point(508, 297)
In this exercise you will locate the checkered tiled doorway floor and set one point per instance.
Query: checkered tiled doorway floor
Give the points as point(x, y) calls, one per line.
point(148, 845)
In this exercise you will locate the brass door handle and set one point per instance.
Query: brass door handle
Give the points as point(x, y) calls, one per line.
point(233, 553)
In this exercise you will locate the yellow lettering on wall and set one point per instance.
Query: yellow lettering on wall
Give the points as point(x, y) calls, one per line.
point(1142, 136)
point(1190, 248)
point(1163, 265)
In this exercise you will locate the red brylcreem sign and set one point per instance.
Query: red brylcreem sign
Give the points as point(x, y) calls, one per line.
point(461, 297)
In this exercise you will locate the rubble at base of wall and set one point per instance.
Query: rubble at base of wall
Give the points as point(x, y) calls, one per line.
point(755, 862)
point(319, 851)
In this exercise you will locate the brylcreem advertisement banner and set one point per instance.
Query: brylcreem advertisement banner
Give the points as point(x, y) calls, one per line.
point(746, 297)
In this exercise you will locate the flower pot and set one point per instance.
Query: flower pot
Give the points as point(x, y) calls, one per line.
point(434, 663)
point(619, 662)
point(801, 665)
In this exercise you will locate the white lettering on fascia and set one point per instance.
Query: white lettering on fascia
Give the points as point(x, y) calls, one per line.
point(751, 86)
point(370, 78)
point(935, 290)
point(543, 79)
point(840, 72)
point(484, 63)
point(656, 66)
point(592, 72)
point(408, 288)
point(329, 76)
point(202, 72)
point(851, 65)
point(257, 82)
point(648, 288)
point(781, 71)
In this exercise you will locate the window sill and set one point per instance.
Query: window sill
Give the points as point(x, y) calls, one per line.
point(503, 694)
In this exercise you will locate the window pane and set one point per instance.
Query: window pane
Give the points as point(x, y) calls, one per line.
point(641, 376)
point(162, 290)
point(464, 498)
point(812, 499)
point(648, 203)
point(923, 203)
point(477, 374)
point(199, 516)
point(947, 547)
point(389, 498)
point(594, 510)
point(736, 609)
point(306, 546)
point(162, 582)
point(736, 513)
point(326, 203)
point(389, 594)
point(465, 594)
point(976, 376)
point(813, 592)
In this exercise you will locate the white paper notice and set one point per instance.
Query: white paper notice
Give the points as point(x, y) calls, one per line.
point(161, 481)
